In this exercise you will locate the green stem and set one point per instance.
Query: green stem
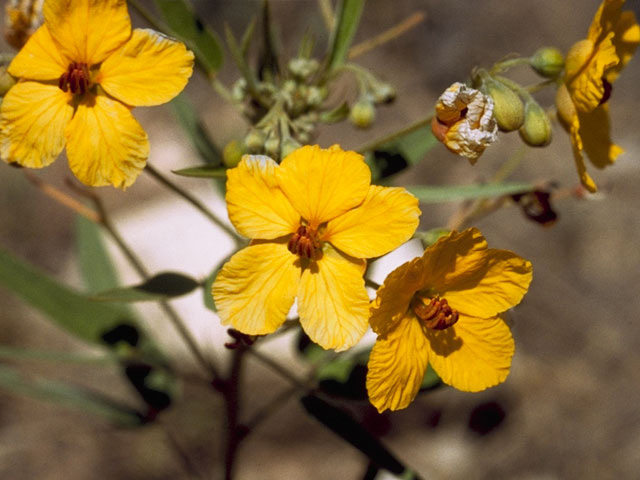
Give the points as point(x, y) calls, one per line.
point(507, 64)
point(231, 391)
point(400, 133)
point(195, 202)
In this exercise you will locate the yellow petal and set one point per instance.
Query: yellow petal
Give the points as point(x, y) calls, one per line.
point(396, 365)
point(257, 207)
point(605, 19)
point(387, 218)
point(105, 144)
point(324, 183)
point(255, 289)
point(33, 118)
point(625, 41)
point(87, 31)
point(150, 69)
point(332, 302)
point(474, 354)
point(594, 132)
point(586, 87)
point(39, 59)
point(394, 296)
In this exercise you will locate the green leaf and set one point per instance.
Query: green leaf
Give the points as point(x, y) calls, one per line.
point(431, 236)
point(347, 20)
point(69, 396)
point(268, 60)
point(241, 62)
point(186, 26)
point(208, 284)
point(439, 194)
point(17, 353)
point(430, 380)
point(247, 36)
point(159, 287)
point(96, 267)
point(193, 127)
point(204, 171)
point(336, 115)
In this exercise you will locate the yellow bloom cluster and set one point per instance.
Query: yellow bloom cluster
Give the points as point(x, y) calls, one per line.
point(592, 65)
point(80, 74)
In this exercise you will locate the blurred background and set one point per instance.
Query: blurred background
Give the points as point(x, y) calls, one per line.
point(570, 406)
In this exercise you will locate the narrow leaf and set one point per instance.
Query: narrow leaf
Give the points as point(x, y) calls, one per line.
point(193, 127)
point(247, 36)
point(241, 62)
point(186, 26)
point(336, 115)
point(268, 65)
point(96, 267)
point(439, 194)
point(346, 24)
point(205, 171)
point(69, 396)
point(159, 287)
point(343, 425)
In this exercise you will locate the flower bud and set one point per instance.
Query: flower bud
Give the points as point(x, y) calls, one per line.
point(288, 146)
point(362, 113)
point(232, 153)
point(239, 90)
point(303, 68)
point(272, 146)
point(547, 62)
point(508, 109)
point(536, 130)
point(384, 93)
point(255, 140)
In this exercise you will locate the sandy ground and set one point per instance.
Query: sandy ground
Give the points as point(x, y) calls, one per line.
point(569, 408)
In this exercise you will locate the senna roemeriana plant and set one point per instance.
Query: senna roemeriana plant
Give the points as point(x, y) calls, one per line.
point(308, 220)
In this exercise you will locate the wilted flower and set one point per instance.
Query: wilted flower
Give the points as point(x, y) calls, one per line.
point(313, 220)
point(464, 121)
point(443, 309)
point(592, 65)
point(22, 19)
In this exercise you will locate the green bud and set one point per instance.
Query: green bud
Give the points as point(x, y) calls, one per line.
point(508, 108)
point(547, 62)
point(362, 113)
point(272, 146)
point(314, 96)
point(232, 153)
point(384, 93)
point(536, 130)
point(6, 81)
point(303, 68)
point(288, 146)
point(255, 140)
point(239, 90)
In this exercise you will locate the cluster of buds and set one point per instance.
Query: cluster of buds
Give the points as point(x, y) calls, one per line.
point(467, 118)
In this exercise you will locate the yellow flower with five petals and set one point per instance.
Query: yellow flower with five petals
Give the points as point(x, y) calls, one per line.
point(80, 74)
point(592, 65)
point(313, 221)
point(443, 309)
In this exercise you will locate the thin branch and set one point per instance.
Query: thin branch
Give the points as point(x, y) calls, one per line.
point(395, 135)
point(392, 33)
point(326, 9)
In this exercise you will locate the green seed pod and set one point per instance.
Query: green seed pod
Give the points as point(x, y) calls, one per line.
point(536, 130)
point(547, 62)
point(508, 108)
point(232, 153)
point(363, 113)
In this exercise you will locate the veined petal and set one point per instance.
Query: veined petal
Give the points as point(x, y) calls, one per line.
point(324, 183)
point(397, 365)
point(472, 355)
point(255, 289)
point(87, 31)
point(105, 144)
point(33, 118)
point(625, 41)
point(594, 132)
point(257, 207)
point(394, 296)
point(150, 69)
point(587, 87)
point(39, 59)
point(605, 19)
point(386, 219)
point(332, 302)
point(498, 285)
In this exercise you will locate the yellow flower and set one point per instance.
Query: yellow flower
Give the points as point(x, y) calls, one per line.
point(464, 121)
point(80, 74)
point(313, 220)
point(444, 309)
point(592, 65)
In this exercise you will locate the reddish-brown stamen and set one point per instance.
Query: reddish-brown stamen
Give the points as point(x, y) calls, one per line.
point(76, 79)
point(437, 314)
point(607, 91)
point(304, 243)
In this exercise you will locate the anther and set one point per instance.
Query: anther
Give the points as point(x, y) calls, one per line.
point(607, 91)
point(304, 243)
point(76, 79)
point(437, 314)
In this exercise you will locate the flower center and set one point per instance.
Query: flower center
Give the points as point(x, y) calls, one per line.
point(76, 79)
point(435, 312)
point(305, 243)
